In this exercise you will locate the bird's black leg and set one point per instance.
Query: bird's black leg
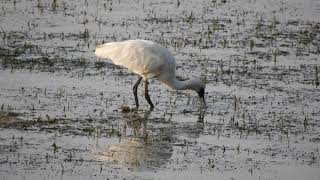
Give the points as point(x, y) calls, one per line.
point(135, 89)
point(146, 94)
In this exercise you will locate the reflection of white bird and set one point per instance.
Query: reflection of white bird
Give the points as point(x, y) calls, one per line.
point(148, 60)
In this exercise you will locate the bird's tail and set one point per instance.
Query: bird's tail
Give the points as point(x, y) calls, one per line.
point(108, 50)
point(100, 50)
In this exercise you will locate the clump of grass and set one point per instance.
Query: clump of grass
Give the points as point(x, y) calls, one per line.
point(89, 130)
point(40, 7)
point(81, 62)
point(224, 42)
point(238, 148)
point(305, 122)
point(215, 25)
point(54, 5)
point(223, 1)
point(125, 109)
point(85, 34)
point(190, 18)
point(53, 121)
point(55, 147)
point(178, 3)
point(114, 132)
point(251, 44)
point(275, 57)
point(99, 64)
point(317, 83)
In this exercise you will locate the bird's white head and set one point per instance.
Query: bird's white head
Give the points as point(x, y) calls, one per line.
point(199, 86)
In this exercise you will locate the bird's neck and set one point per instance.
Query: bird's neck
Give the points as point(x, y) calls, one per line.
point(179, 85)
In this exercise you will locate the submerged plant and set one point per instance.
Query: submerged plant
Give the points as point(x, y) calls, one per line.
point(55, 147)
point(54, 5)
point(190, 18)
point(316, 76)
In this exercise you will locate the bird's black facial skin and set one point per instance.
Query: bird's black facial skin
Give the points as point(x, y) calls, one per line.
point(201, 95)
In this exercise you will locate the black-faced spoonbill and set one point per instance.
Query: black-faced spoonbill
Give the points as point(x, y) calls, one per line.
point(149, 60)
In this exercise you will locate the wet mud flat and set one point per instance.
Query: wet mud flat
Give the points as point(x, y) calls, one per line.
point(64, 115)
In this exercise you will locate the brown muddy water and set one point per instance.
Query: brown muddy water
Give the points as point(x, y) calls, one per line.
point(61, 108)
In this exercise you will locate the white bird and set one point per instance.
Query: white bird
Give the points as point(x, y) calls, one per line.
point(149, 60)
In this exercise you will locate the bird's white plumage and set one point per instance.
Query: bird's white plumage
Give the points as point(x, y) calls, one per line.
point(146, 58)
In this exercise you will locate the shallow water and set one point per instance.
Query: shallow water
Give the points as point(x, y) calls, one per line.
point(61, 107)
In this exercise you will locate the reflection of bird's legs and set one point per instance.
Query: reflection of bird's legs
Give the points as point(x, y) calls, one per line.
point(135, 89)
point(144, 123)
point(146, 94)
point(202, 113)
